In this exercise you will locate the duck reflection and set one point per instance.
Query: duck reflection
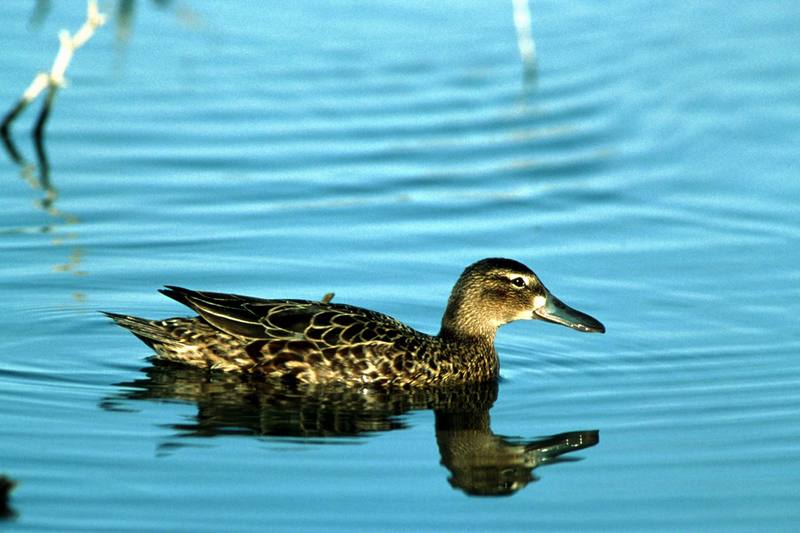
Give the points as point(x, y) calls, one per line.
point(479, 461)
point(484, 464)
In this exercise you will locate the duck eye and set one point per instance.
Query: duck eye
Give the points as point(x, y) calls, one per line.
point(518, 282)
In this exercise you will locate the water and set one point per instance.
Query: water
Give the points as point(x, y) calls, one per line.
point(647, 174)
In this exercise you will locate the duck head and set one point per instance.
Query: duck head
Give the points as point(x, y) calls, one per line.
point(496, 291)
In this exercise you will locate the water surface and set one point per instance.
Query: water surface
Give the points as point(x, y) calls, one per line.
point(647, 173)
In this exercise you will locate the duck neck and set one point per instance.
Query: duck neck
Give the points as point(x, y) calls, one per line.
point(462, 324)
point(473, 353)
point(475, 337)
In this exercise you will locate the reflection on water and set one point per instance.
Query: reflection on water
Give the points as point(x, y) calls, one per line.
point(485, 464)
point(122, 11)
point(319, 145)
point(6, 486)
point(480, 462)
point(37, 175)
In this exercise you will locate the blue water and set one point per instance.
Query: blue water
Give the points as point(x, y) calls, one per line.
point(647, 172)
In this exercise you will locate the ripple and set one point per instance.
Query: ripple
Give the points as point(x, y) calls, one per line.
point(374, 150)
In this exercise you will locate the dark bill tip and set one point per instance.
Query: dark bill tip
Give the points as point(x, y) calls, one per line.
point(556, 311)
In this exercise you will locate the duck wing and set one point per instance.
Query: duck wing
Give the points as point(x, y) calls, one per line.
point(324, 324)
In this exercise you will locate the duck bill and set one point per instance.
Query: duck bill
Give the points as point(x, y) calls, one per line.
point(556, 311)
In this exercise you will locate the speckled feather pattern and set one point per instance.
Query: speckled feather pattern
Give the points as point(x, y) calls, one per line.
point(320, 342)
point(309, 342)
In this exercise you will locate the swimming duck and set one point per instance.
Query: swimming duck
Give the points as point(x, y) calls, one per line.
point(321, 342)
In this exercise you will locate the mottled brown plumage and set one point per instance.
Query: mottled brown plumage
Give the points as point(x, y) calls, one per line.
point(322, 342)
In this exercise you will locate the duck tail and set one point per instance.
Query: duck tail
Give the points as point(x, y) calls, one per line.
point(151, 333)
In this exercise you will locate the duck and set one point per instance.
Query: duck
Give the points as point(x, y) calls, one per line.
point(320, 342)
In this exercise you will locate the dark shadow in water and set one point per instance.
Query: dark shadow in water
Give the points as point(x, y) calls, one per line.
point(480, 462)
point(7, 485)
